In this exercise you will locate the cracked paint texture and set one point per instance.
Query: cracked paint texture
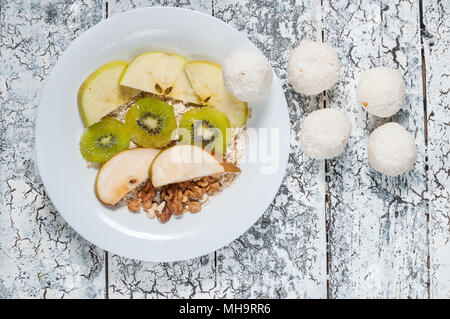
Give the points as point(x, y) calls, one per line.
point(378, 225)
point(40, 255)
point(437, 55)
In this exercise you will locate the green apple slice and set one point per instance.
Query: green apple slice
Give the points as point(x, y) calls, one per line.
point(207, 80)
point(160, 73)
point(123, 173)
point(183, 162)
point(101, 93)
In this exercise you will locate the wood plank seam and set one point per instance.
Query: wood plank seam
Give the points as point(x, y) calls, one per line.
point(106, 10)
point(436, 42)
point(327, 207)
point(378, 228)
point(425, 129)
point(41, 256)
point(275, 29)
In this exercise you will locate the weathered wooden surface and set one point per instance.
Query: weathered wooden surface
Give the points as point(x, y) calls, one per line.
point(436, 41)
point(387, 237)
point(40, 255)
point(284, 253)
point(378, 227)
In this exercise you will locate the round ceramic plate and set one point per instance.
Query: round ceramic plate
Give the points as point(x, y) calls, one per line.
point(70, 183)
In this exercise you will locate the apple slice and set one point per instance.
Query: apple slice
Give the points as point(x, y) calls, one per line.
point(160, 73)
point(181, 163)
point(207, 80)
point(123, 173)
point(101, 93)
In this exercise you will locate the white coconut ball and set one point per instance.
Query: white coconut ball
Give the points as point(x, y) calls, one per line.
point(313, 67)
point(381, 91)
point(391, 149)
point(247, 75)
point(325, 133)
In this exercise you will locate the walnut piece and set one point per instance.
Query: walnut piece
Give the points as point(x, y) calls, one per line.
point(194, 192)
point(147, 194)
point(202, 183)
point(195, 207)
point(134, 205)
point(213, 188)
point(176, 205)
point(176, 208)
point(164, 215)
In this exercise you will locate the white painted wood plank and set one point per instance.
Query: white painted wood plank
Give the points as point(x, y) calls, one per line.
point(118, 6)
point(284, 253)
point(437, 56)
point(40, 255)
point(135, 279)
point(378, 224)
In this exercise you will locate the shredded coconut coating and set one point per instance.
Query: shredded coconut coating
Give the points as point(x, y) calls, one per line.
point(325, 133)
point(248, 75)
point(313, 67)
point(391, 149)
point(381, 91)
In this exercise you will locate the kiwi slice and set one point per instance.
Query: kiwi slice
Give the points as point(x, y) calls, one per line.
point(151, 122)
point(103, 140)
point(207, 127)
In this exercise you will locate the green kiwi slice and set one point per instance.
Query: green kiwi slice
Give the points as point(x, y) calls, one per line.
point(207, 127)
point(151, 122)
point(103, 140)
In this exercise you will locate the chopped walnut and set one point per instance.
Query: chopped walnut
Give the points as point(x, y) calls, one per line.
point(134, 205)
point(147, 194)
point(176, 208)
point(202, 183)
point(213, 188)
point(175, 204)
point(164, 215)
point(193, 191)
point(167, 192)
point(195, 207)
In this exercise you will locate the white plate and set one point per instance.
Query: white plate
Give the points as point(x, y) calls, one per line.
point(70, 184)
